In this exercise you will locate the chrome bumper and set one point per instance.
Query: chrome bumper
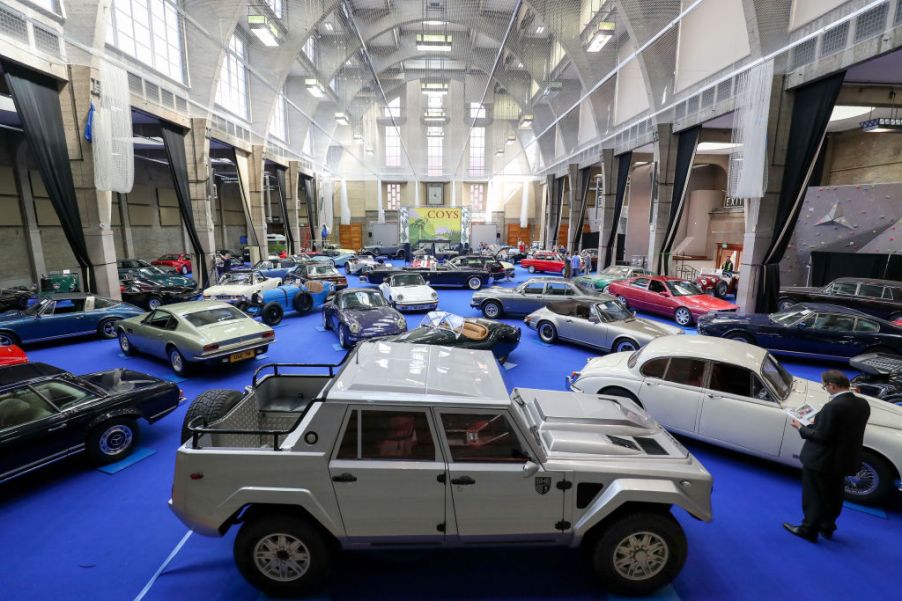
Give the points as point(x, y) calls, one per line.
point(219, 354)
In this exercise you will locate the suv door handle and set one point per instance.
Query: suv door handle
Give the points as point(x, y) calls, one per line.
point(463, 481)
point(345, 477)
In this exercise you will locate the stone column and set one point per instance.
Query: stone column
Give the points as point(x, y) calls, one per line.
point(258, 196)
point(95, 206)
point(761, 213)
point(606, 209)
point(574, 179)
point(665, 151)
point(292, 199)
point(29, 219)
point(197, 154)
point(125, 226)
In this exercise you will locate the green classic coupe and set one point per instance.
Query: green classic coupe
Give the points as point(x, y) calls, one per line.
point(614, 273)
point(195, 333)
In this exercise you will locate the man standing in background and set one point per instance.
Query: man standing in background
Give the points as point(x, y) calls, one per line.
point(575, 263)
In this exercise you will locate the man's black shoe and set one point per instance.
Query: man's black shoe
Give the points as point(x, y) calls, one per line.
point(828, 534)
point(797, 530)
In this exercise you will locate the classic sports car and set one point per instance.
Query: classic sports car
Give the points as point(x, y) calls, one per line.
point(716, 281)
point(808, 329)
point(12, 355)
point(274, 267)
point(881, 298)
point(60, 282)
point(671, 297)
point(151, 294)
point(499, 270)
point(596, 323)
point(407, 291)
point(441, 328)
point(143, 269)
point(735, 395)
point(881, 376)
point(339, 256)
point(62, 316)
point(14, 298)
point(380, 250)
point(359, 313)
point(442, 250)
point(199, 332)
point(180, 262)
point(360, 263)
point(544, 260)
point(614, 273)
point(47, 414)
point(532, 294)
point(440, 274)
point(294, 295)
point(321, 272)
point(237, 287)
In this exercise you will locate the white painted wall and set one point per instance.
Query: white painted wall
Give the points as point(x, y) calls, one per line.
point(805, 11)
point(630, 93)
point(712, 36)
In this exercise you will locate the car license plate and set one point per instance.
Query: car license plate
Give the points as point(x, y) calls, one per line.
point(242, 356)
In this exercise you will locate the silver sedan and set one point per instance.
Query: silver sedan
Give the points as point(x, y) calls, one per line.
point(596, 323)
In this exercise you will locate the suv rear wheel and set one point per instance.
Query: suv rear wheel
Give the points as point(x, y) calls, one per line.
point(282, 555)
point(639, 553)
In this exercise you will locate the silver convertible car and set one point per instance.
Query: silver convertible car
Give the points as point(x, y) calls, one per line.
point(734, 394)
point(596, 323)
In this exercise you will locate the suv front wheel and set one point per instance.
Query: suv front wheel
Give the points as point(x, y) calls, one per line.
point(639, 553)
point(282, 555)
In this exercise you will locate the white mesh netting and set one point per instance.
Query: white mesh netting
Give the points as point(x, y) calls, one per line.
point(748, 161)
point(114, 151)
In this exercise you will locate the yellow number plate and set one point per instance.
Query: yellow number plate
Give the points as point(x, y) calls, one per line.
point(241, 356)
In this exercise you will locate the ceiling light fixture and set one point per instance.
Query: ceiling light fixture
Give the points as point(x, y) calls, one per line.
point(604, 35)
point(265, 31)
point(342, 119)
point(889, 125)
point(540, 30)
point(434, 42)
point(434, 23)
point(358, 137)
point(845, 111)
point(314, 87)
point(499, 151)
point(434, 87)
point(511, 138)
point(328, 26)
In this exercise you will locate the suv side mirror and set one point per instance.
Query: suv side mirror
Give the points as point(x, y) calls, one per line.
point(530, 468)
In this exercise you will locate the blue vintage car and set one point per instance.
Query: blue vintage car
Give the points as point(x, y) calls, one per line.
point(298, 296)
point(359, 313)
point(64, 315)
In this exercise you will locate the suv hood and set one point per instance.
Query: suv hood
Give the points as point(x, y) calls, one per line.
point(576, 426)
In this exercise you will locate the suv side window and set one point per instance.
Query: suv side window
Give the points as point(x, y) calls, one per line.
point(843, 288)
point(387, 435)
point(731, 379)
point(559, 289)
point(683, 370)
point(655, 368)
point(866, 325)
point(482, 437)
point(22, 406)
point(534, 288)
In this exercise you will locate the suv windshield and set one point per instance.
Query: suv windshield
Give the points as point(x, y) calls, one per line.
point(361, 299)
point(408, 279)
point(612, 310)
point(683, 288)
point(211, 316)
point(777, 376)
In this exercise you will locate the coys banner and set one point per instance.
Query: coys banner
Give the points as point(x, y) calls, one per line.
point(431, 223)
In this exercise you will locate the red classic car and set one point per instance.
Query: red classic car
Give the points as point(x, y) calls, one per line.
point(673, 297)
point(12, 355)
point(179, 262)
point(544, 260)
point(715, 281)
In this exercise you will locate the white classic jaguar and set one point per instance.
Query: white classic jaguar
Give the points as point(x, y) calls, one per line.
point(237, 287)
point(406, 291)
point(733, 394)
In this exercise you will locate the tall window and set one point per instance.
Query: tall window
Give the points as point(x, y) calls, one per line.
point(149, 31)
point(307, 147)
point(392, 147)
point(477, 200)
point(310, 48)
point(477, 151)
point(278, 127)
point(276, 7)
point(434, 101)
point(232, 91)
point(392, 197)
point(477, 110)
point(434, 155)
point(393, 108)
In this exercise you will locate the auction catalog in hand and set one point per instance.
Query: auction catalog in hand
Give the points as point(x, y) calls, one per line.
point(804, 414)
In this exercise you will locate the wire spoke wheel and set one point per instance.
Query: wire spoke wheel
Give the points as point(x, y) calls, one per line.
point(863, 483)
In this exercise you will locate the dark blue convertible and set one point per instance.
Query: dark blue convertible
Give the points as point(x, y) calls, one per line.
point(64, 315)
point(808, 329)
point(359, 313)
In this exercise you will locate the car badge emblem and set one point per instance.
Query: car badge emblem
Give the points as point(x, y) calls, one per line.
point(543, 484)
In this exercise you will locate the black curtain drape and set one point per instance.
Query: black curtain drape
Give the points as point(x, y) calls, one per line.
point(557, 206)
point(812, 106)
point(575, 234)
point(310, 194)
point(623, 173)
point(246, 206)
point(549, 203)
point(37, 102)
point(827, 266)
point(174, 144)
point(687, 142)
point(283, 202)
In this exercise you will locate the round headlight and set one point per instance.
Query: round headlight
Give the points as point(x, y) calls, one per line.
point(402, 323)
point(434, 296)
point(400, 297)
point(354, 327)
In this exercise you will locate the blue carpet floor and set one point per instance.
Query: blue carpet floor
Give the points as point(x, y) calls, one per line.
point(70, 532)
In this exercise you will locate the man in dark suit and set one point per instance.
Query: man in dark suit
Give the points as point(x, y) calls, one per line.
point(832, 450)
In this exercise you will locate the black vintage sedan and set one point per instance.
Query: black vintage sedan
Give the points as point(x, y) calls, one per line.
point(441, 328)
point(48, 414)
point(807, 329)
point(881, 298)
point(150, 294)
point(437, 274)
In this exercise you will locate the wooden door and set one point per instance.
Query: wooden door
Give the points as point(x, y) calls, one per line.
point(351, 236)
point(562, 234)
point(515, 234)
